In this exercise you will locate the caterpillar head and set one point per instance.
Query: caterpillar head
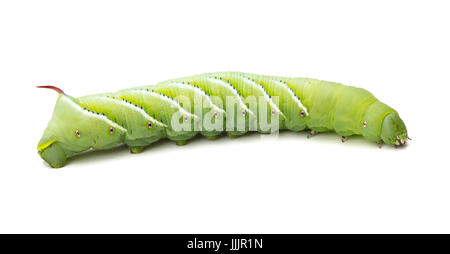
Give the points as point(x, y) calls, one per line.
point(393, 130)
point(73, 129)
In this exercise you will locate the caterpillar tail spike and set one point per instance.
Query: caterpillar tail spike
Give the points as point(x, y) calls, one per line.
point(58, 90)
point(180, 109)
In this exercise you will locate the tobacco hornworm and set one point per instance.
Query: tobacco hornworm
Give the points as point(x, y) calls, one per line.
point(211, 104)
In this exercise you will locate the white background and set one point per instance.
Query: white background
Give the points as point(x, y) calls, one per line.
point(398, 50)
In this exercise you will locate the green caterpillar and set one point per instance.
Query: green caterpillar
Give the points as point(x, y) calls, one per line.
point(211, 104)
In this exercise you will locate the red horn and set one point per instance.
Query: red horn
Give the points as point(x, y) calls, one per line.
point(53, 88)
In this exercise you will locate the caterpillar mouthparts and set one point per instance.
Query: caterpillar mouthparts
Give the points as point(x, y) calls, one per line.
point(401, 139)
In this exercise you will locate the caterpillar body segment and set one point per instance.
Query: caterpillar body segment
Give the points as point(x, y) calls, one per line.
point(73, 129)
point(229, 99)
point(165, 110)
point(142, 129)
point(210, 104)
point(195, 101)
point(344, 109)
point(290, 104)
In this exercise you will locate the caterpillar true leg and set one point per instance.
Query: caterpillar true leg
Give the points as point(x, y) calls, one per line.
point(380, 143)
point(343, 139)
point(311, 133)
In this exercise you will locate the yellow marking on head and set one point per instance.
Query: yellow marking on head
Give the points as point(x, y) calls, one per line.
point(45, 145)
